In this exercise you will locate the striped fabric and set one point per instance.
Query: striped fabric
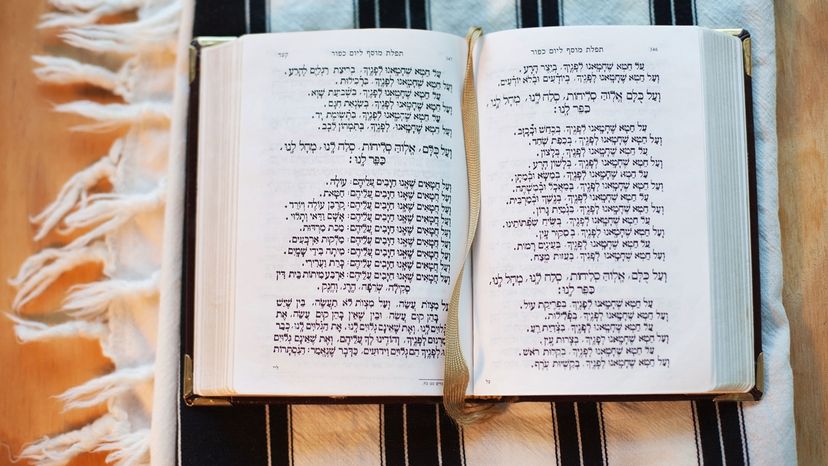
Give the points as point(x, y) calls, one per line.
point(565, 434)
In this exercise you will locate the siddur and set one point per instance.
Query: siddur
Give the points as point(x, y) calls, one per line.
point(335, 180)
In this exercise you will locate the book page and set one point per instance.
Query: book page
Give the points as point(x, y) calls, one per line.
point(591, 264)
point(352, 212)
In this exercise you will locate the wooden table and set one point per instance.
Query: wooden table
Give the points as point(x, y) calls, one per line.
point(37, 154)
point(802, 128)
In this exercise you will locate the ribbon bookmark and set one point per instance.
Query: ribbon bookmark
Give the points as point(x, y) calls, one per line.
point(456, 373)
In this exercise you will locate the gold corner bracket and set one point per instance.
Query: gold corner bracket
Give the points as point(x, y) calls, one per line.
point(190, 398)
point(758, 390)
point(199, 43)
point(746, 46)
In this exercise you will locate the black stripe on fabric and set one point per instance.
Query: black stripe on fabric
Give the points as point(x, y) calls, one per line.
point(734, 452)
point(696, 20)
point(550, 15)
point(603, 433)
point(219, 18)
point(392, 14)
point(279, 434)
point(662, 12)
point(421, 429)
point(356, 16)
point(223, 436)
point(744, 433)
point(258, 16)
point(290, 432)
point(381, 435)
point(463, 445)
point(418, 14)
point(555, 434)
point(561, 12)
point(367, 14)
point(567, 434)
point(450, 448)
point(529, 13)
point(711, 446)
point(695, 432)
point(684, 11)
point(589, 426)
point(393, 433)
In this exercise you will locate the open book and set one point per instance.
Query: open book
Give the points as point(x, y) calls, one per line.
point(329, 209)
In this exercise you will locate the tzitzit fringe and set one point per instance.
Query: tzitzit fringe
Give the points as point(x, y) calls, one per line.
point(110, 210)
point(97, 215)
point(151, 32)
point(92, 299)
point(109, 117)
point(60, 449)
point(43, 268)
point(84, 12)
point(76, 191)
point(62, 70)
point(97, 391)
point(127, 449)
point(31, 330)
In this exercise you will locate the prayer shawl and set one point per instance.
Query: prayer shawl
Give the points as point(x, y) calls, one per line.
point(585, 433)
point(568, 433)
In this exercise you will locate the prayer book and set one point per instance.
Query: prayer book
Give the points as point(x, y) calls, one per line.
point(546, 213)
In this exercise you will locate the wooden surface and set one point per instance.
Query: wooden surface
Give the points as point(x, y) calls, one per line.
point(38, 153)
point(802, 128)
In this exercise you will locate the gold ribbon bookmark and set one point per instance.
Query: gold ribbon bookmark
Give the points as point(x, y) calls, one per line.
point(456, 373)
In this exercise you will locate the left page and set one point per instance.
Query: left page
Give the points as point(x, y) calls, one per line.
point(352, 212)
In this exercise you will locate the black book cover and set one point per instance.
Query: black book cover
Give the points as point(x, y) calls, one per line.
point(187, 298)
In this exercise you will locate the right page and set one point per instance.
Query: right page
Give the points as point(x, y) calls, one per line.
point(591, 266)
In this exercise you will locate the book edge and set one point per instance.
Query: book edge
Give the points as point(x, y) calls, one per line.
point(192, 399)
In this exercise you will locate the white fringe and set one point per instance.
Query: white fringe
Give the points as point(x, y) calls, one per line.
point(31, 330)
point(60, 449)
point(113, 116)
point(62, 70)
point(101, 389)
point(42, 269)
point(128, 449)
point(109, 211)
point(153, 32)
point(84, 12)
point(75, 190)
point(156, 32)
point(86, 5)
point(92, 299)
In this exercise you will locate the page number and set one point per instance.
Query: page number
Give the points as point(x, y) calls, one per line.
point(653, 49)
